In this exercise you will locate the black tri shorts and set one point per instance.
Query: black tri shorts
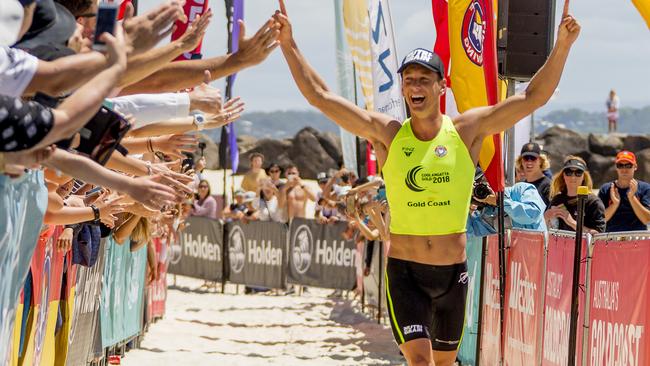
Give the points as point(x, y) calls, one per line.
point(427, 301)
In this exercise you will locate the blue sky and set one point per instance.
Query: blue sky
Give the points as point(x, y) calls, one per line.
point(613, 50)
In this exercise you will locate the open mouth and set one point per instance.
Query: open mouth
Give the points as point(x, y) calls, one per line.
point(417, 99)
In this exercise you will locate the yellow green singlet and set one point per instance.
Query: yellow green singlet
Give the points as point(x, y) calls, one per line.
point(428, 183)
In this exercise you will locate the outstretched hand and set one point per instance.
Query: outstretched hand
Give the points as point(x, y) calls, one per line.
point(569, 27)
point(282, 20)
point(257, 48)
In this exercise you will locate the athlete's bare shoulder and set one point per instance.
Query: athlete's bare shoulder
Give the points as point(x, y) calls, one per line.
point(386, 127)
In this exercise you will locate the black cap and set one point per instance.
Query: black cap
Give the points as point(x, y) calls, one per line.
point(52, 24)
point(531, 149)
point(425, 58)
point(574, 164)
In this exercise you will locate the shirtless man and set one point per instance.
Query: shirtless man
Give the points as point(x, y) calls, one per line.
point(429, 189)
point(294, 194)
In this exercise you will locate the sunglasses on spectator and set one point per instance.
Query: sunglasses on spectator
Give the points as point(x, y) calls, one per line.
point(573, 172)
point(274, 171)
point(529, 158)
point(624, 165)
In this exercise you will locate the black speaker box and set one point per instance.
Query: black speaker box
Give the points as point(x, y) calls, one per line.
point(525, 32)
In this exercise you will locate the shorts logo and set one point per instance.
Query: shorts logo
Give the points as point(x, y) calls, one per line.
point(236, 248)
point(463, 278)
point(408, 151)
point(473, 32)
point(440, 151)
point(416, 328)
point(301, 248)
point(410, 179)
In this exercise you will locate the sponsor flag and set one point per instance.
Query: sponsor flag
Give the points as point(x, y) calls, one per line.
point(387, 94)
point(192, 8)
point(345, 81)
point(441, 47)
point(357, 31)
point(643, 6)
point(234, 13)
point(473, 74)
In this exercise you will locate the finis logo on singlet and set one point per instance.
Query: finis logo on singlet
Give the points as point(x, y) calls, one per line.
point(408, 150)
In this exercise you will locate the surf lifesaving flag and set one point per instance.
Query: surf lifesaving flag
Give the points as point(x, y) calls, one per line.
point(192, 8)
point(473, 74)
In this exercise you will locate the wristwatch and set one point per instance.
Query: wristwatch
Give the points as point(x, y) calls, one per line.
point(95, 212)
point(199, 121)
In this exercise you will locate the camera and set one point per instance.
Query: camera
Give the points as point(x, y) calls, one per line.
point(481, 190)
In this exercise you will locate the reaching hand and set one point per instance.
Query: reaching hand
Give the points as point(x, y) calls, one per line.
point(30, 158)
point(108, 208)
point(145, 31)
point(205, 97)
point(151, 192)
point(64, 241)
point(569, 28)
point(256, 49)
point(195, 31)
point(175, 145)
point(282, 20)
point(232, 110)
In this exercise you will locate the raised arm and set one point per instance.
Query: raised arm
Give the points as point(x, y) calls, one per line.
point(369, 125)
point(187, 74)
point(490, 120)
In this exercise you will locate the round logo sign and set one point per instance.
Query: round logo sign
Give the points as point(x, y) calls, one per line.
point(473, 32)
point(236, 249)
point(440, 151)
point(301, 248)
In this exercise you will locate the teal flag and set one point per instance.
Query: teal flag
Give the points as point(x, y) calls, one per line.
point(121, 307)
point(467, 351)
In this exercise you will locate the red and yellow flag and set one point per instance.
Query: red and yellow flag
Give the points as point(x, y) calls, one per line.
point(472, 44)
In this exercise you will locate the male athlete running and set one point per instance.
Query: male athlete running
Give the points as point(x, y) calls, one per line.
point(428, 165)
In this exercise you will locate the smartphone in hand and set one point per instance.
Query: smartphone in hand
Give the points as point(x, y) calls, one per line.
point(106, 20)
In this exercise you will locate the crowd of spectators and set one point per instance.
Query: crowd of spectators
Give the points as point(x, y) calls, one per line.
point(620, 205)
point(95, 129)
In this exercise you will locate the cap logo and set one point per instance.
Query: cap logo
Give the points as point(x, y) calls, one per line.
point(419, 55)
point(473, 32)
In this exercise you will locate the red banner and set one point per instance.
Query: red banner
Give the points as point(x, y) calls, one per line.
point(557, 301)
point(192, 8)
point(491, 329)
point(158, 289)
point(523, 307)
point(619, 308)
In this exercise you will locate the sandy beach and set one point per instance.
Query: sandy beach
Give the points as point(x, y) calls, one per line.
point(208, 328)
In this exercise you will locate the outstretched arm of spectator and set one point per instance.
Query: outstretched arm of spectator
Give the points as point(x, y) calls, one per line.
point(231, 111)
point(147, 190)
point(145, 64)
point(365, 230)
point(186, 74)
point(79, 108)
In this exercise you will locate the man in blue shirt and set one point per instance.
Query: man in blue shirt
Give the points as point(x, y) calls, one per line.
point(522, 204)
point(626, 199)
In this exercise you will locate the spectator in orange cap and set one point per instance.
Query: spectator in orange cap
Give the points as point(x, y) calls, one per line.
point(626, 199)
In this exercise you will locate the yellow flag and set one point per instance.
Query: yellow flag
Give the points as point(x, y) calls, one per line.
point(357, 34)
point(643, 6)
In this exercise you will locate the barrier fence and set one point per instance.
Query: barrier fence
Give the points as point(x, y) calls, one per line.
point(74, 315)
